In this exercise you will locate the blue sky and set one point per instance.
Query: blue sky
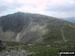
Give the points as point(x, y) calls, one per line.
point(55, 8)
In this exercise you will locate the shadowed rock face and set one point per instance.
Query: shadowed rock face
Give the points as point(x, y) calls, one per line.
point(2, 46)
point(27, 27)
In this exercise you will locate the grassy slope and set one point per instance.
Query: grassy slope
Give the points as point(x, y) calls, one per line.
point(55, 32)
point(69, 32)
point(45, 49)
point(49, 47)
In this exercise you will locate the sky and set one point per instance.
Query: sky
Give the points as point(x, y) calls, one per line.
point(55, 8)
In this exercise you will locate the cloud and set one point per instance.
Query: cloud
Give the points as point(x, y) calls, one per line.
point(9, 1)
point(8, 5)
point(3, 8)
point(56, 8)
point(60, 14)
point(63, 8)
point(34, 6)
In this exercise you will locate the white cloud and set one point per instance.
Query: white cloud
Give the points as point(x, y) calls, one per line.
point(31, 1)
point(59, 1)
point(9, 1)
point(31, 9)
point(39, 6)
point(60, 14)
point(61, 8)
point(48, 7)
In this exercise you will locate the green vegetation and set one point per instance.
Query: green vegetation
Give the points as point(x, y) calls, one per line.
point(45, 49)
point(69, 32)
point(49, 32)
point(10, 30)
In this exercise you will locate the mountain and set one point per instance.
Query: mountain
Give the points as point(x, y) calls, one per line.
point(27, 27)
point(71, 19)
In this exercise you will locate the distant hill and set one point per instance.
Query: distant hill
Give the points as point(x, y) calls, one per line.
point(26, 27)
point(71, 19)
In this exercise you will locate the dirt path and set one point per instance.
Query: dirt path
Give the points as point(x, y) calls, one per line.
point(63, 36)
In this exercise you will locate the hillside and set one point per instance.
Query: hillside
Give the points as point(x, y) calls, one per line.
point(70, 19)
point(26, 27)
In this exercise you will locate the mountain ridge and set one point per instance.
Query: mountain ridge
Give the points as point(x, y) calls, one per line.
point(25, 27)
point(70, 19)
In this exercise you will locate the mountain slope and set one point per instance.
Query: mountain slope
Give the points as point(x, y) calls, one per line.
point(26, 27)
point(71, 19)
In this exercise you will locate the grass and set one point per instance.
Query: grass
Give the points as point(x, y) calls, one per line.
point(45, 49)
